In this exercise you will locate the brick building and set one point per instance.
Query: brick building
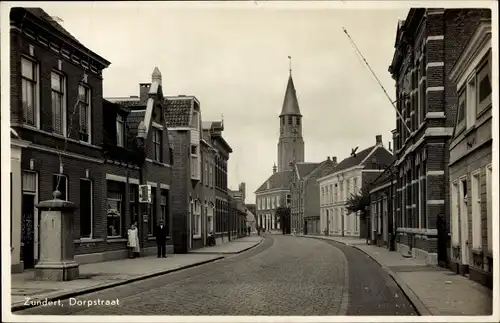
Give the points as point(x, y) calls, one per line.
point(470, 161)
point(137, 150)
point(240, 193)
point(304, 192)
point(349, 177)
point(222, 151)
point(427, 44)
point(382, 220)
point(56, 114)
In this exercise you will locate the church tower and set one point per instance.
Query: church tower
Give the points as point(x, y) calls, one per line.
point(291, 143)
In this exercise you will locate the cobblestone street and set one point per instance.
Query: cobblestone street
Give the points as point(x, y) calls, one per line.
point(284, 275)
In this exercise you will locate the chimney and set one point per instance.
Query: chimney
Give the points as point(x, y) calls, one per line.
point(328, 158)
point(156, 76)
point(143, 91)
point(390, 149)
point(334, 160)
point(274, 168)
point(378, 139)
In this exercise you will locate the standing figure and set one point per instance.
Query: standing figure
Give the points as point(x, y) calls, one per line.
point(161, 239)
point(133, 245)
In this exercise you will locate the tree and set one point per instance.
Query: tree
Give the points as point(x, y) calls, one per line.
point(358, 202)
point(283, 213)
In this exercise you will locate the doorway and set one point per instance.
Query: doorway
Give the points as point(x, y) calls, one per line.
point(29, 221)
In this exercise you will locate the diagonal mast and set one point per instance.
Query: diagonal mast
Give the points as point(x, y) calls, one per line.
point(379, 83)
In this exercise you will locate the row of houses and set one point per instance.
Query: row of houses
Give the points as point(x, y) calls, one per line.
point(434, 202)
point(100, 152)
point(430, 197)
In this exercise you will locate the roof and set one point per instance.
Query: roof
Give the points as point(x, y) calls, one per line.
point(41, 14)
point(352, 161)
point(305, 168)
point(178, 112)
point(290, 103)
point(276, 181)
point(133, 120)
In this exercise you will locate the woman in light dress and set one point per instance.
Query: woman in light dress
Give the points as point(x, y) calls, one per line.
point(133, 241)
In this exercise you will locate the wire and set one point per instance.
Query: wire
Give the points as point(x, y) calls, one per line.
point(376, 78)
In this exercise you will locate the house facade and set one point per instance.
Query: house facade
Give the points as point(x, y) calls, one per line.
point(427, 44)
point(382, 221)
point(470, 161)
point(56, 115)
point(184, 125)
point(222, 152)
point(272, 194)
point(305, 210)
point(135, 135)
point(346, 179)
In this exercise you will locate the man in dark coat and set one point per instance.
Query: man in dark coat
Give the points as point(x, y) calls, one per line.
point(161, 239)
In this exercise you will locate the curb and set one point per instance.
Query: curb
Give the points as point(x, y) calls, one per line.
point(63, 296)
point(418, 305)
point(228, 253)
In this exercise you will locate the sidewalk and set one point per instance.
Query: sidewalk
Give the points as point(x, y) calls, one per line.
point(432, 290)
point(232, 247)
point(98, 276)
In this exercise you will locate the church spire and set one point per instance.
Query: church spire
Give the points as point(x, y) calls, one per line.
point(290, 103)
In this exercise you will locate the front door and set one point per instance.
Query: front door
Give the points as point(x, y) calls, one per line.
point(28, 231)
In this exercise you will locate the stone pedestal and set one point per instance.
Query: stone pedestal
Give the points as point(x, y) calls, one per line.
point(56, 259)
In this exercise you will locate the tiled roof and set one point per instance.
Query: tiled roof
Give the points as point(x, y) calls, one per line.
point(132, 103)
point(178, 112)
point(306, 168)
point(276, 180)
point(133, 120)
point(352, 161)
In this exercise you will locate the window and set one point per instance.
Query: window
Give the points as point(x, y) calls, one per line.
point(355, 186)
point(379, 217)
point(461, 110)
point(133, 192)
point(273, 202)
point(341, 191)
point(423, 181)
point(84, 112)
point(157, 156)
point(163, 207)
point(476, 211)
point(115, 210)
point(322, 195)
point(484, 86)
point(210, 218)
point(59, 183)
point(211, 178)
point(205, 173)
point(30, 92)
point(489, 207)
point(455, 209)
point(194, 162)
point(197, 218)
point(120, 131)
point(152, 218)
point(114, 214)
point(86, 209)
point(288, 199)
point(195, 120)
point(348, 188)
point(58, 104)
point(290, 120)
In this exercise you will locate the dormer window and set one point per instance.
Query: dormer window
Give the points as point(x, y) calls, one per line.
point(120, 131)
point(195, 124)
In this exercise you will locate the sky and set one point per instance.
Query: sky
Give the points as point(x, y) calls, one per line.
point(235, 61)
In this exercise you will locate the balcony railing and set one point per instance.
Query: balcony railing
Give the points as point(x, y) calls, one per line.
point(125, 155)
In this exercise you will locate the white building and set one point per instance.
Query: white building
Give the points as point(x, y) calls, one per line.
point(345, 180)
